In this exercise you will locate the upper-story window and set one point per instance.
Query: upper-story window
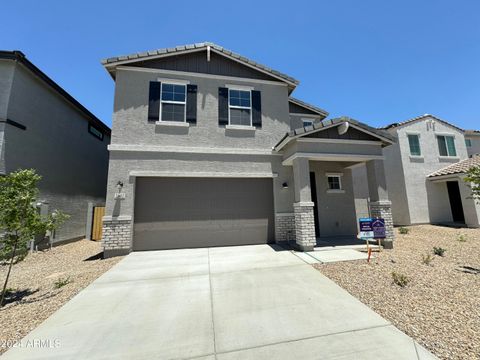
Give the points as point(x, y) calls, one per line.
point(240, 107)
point(173, 102)
point(307, 122)
point(446, 145)
point(414, 143)
point(468, 142)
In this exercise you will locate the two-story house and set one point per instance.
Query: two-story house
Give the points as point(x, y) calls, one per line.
point(424, 170)
point(44, 128)
point(210, 149)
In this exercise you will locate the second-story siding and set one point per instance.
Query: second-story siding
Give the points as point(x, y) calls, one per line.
point(131, 125)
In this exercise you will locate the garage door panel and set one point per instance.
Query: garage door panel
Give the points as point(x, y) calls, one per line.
point(197, 212)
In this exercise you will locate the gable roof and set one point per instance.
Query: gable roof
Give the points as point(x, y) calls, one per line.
point(204, 46)
point(20, 57)
point(312, 108)
point(460, 167)
point(419, 118)
point(327, 124)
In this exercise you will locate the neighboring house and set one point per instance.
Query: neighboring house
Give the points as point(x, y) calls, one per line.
point(472, 140)
point(44, 128)
point(464, 208)
point(425, 145)
point(203, 154)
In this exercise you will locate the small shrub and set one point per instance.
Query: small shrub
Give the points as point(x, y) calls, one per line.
point(8, 292)
point(61, 282)
point(439, 251)
point(403, 230)
point(400, 279)
point(461, 238)
point(427, 259)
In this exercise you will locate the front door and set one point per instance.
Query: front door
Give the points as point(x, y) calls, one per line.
point(313, 189)
point(455, 201)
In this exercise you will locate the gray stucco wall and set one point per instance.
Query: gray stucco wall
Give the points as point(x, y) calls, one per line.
point(122, 163)
point(425, 201)
point(361, 191)
point(6, 77)
point(72, 162)
point(130, 125)
point(296, 121)
point(395, 176)
point(475, 148)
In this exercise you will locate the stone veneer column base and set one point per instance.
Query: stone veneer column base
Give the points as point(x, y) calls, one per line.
point(304, 226)
point(284, 227)
point(116, 236)
point(383, 209)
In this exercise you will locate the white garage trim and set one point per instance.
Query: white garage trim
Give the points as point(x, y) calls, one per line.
point(207, 174)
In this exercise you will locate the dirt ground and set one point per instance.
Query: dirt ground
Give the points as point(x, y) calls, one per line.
point(440, 304)
point(43, 282)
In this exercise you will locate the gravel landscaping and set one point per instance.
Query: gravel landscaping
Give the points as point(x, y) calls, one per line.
point(440, 304)
point(46, 280)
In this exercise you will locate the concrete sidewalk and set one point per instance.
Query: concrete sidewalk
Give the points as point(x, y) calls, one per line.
point(249, 302)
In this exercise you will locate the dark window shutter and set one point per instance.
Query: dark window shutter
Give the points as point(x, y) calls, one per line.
point(256, 109)
point(222, 106)
point(192, 104)
point(154, 101)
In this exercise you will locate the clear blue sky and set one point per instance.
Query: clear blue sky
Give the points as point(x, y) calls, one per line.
point(378, 61)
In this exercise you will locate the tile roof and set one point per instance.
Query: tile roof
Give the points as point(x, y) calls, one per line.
point(458, 168)
point(313, 108)
point(421, 117)
point(183, 48)
point(472, 132)
point(328, 123)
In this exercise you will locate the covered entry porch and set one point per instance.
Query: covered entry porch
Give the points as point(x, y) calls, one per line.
point(322, 158)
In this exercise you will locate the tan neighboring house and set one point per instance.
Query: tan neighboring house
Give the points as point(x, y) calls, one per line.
point(424, 172)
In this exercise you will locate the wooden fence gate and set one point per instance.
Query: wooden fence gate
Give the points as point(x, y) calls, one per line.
point(98, 213)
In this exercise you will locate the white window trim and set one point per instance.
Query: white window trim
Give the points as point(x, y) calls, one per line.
point(444, 135)
point(184, 103)
point(419, 145)
point(468, 141)
point(174, 81)
point(240, 88)
point(310, 120)
point(341, 190)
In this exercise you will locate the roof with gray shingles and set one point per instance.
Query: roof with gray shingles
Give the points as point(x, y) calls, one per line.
point(313, 108)
point(458, 168)
point(198, 46)
point(327, 123)
point(421, 117)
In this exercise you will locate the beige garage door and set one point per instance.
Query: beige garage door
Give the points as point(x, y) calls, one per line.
point(173, 213)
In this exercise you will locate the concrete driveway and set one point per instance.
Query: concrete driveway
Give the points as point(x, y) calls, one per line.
point(248, 302)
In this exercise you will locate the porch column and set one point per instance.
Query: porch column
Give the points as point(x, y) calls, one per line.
point(303, 206)
point(380, 205)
